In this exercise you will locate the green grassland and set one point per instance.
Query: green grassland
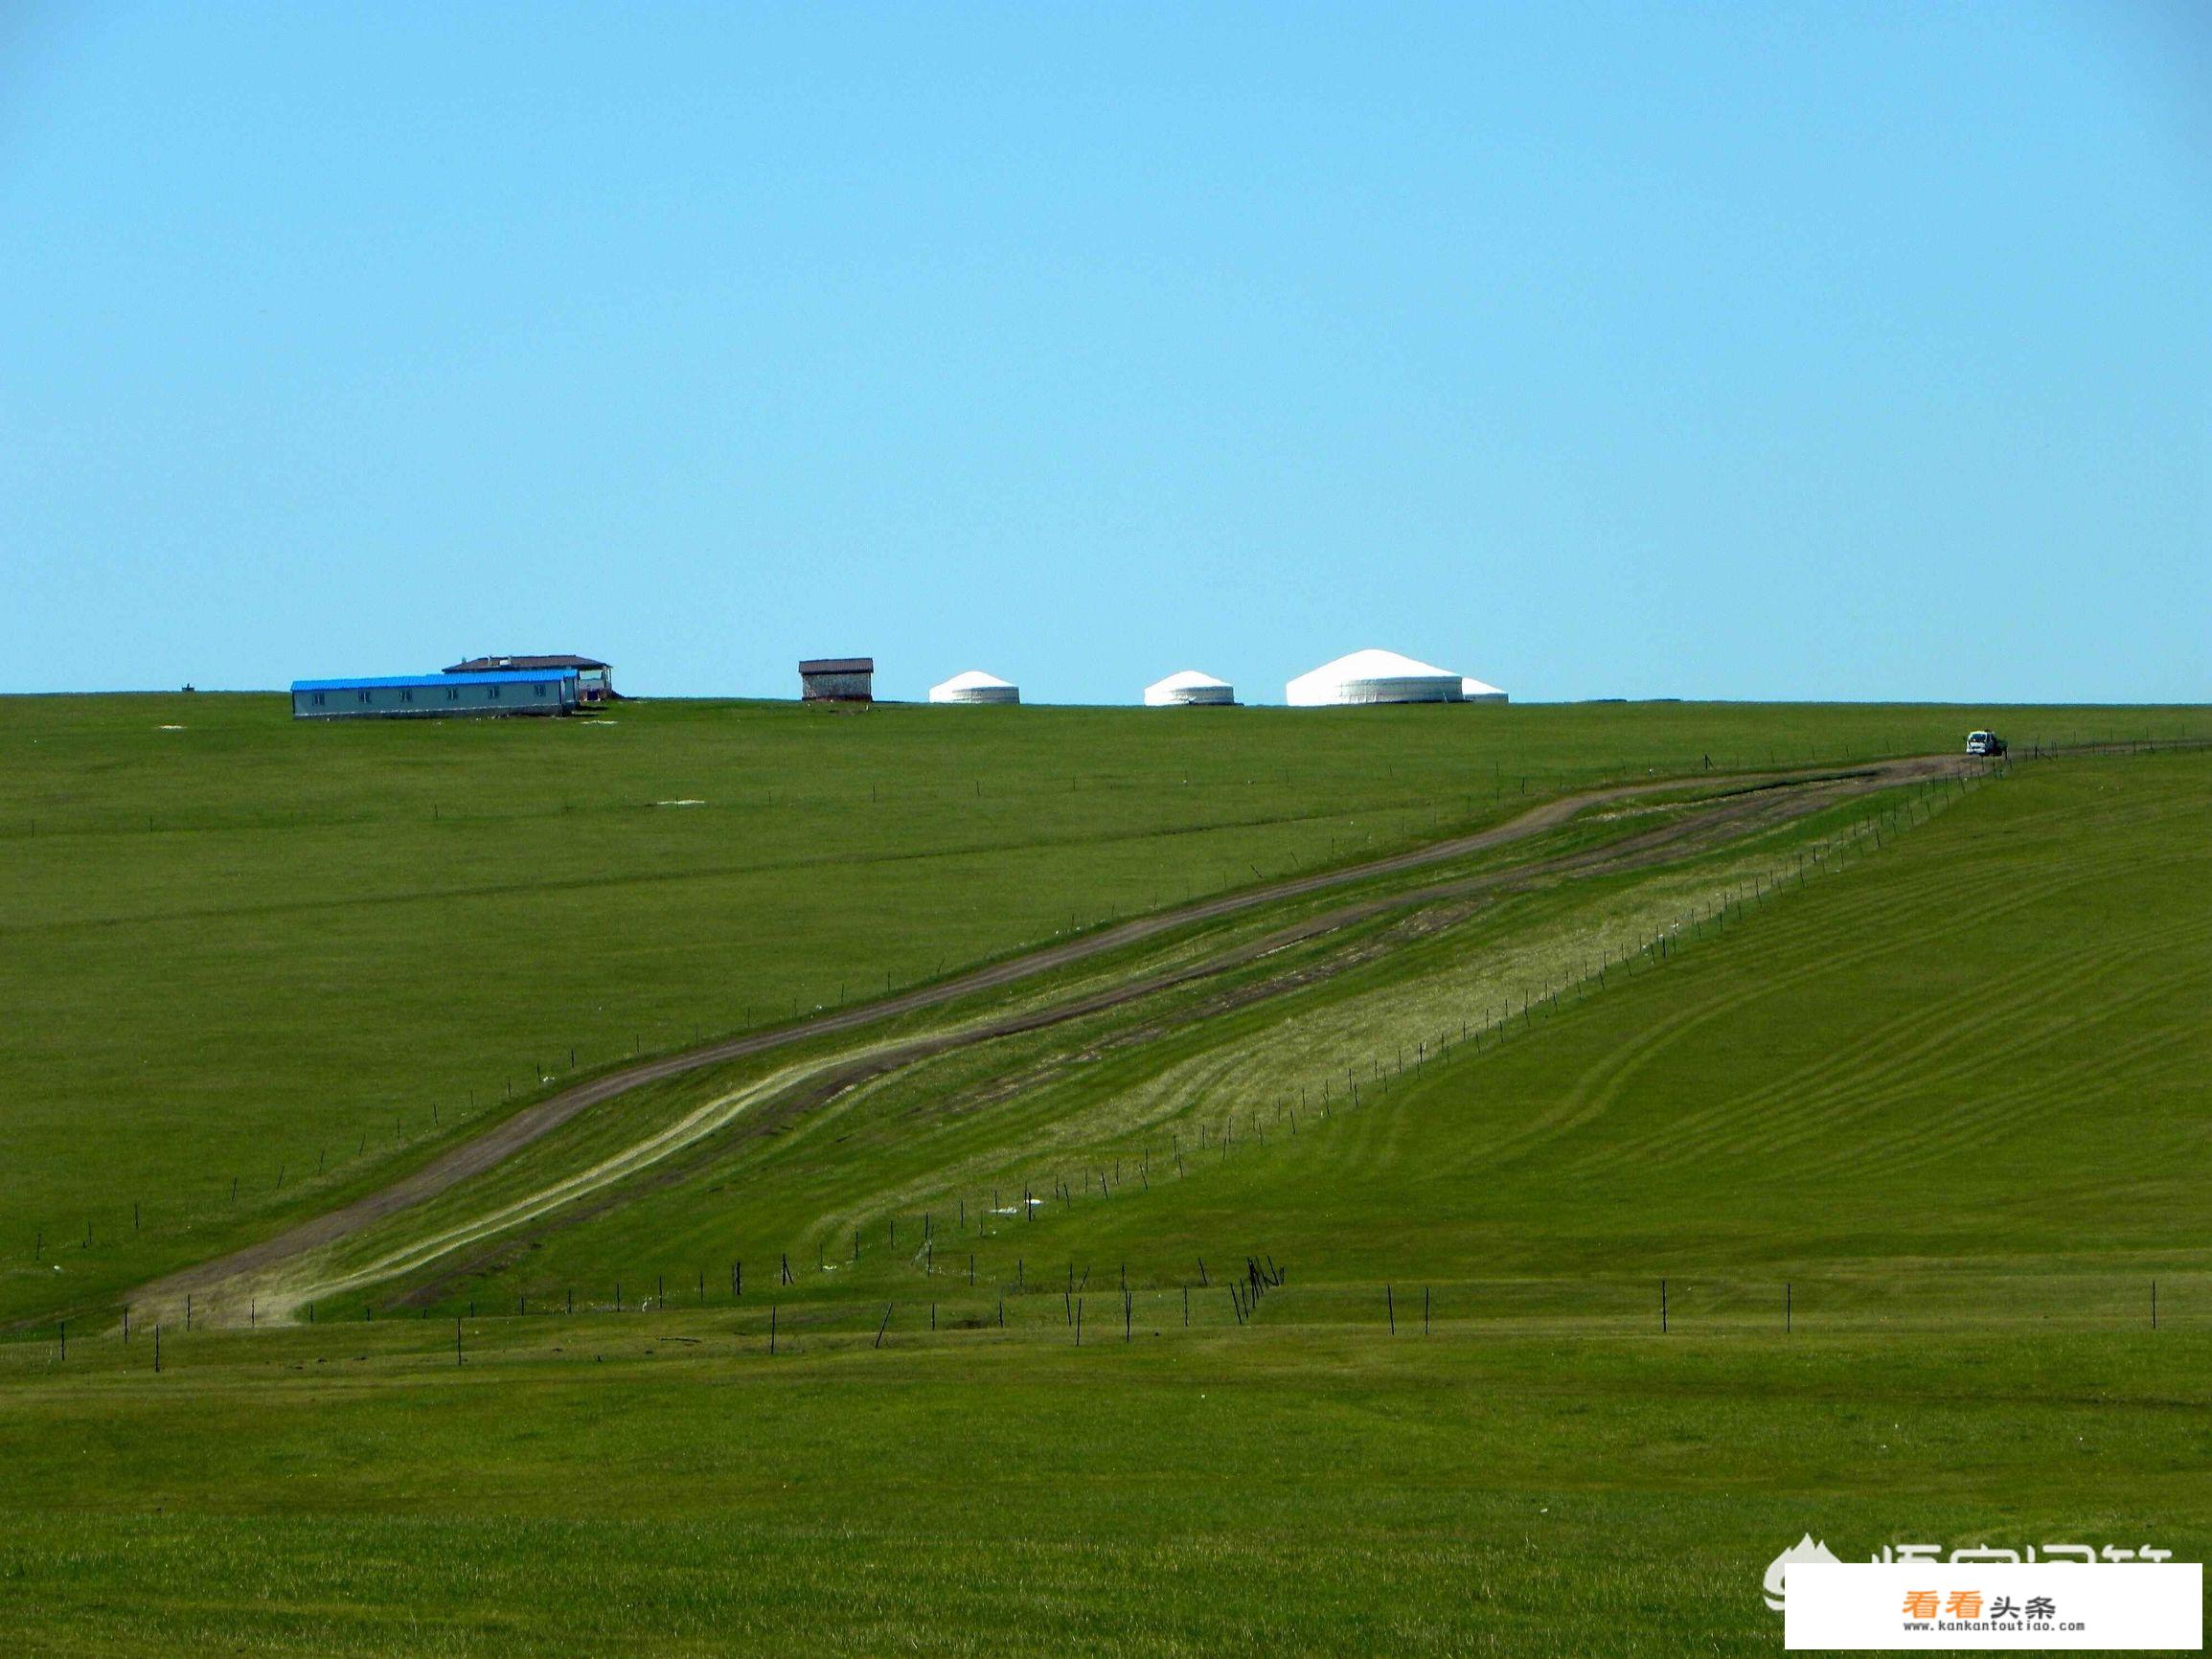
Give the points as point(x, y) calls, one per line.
point(1978, 1043)
point(658, 1486)
point(253, 966)
point(1897, 1091)
point(938, 1146)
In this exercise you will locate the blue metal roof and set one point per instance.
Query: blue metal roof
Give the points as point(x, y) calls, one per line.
point(503, 677)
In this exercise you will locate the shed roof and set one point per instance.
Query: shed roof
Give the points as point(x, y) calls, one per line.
point(373, 682)
point(838, 666)
point(492, 665)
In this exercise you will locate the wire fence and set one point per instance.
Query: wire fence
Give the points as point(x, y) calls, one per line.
point(1255, 1299)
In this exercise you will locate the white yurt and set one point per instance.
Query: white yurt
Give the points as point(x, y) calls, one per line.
point(1372, 676)
point(1475, 691)
point(1189, 689)
point(976, 687)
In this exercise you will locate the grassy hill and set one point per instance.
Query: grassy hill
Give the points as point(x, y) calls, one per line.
point(1935, 1073)
point(1950, 1078)
point(253, 966)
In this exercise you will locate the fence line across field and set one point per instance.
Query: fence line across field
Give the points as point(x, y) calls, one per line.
point(1668, 1306)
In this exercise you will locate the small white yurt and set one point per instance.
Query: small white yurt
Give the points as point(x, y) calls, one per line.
point(1372, 676)
point(1475, 691)
point(1189, 689)
point(976, 687)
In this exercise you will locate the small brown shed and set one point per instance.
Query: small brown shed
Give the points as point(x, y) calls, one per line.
point(837, 680)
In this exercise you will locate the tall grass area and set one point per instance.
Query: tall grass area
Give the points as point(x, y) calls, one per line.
point(251, 966)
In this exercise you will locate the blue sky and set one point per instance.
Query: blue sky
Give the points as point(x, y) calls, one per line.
point(1713, 351)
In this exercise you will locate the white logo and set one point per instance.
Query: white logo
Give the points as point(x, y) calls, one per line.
point(1803, 1549)
point(1807, 1549)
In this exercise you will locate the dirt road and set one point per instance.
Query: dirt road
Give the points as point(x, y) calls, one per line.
point(518, 1129)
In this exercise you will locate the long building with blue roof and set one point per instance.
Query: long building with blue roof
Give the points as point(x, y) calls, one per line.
point(503, 692)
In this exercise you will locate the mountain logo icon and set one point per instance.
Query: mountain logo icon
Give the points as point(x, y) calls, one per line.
point(1804, 1548)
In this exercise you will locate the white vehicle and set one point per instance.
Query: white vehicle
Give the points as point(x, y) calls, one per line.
point(1984, 743)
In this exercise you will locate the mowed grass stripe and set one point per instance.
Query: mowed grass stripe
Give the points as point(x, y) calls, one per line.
point(1948, 1043)
point(1901, 913)
point(2002, 1111)
point(1974, 1064)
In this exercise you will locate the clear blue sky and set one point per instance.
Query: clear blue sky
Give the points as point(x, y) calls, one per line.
point(1596, 351)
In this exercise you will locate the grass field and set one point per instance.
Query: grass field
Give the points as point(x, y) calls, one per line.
point(254, 966)
point(637, 1487)
point(1977, 1045)
point(1888, 1092)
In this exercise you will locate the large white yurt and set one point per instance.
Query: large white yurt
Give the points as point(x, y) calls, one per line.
point(1372, 676)
point(1188, 690)
point(1475, 691)
point(976, 687)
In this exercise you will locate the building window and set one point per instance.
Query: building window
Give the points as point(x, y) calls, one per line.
point(364, 695)
point(453, 694)
point(406, 693)
point(316, 698)
point(491, 691)
point(537, 691)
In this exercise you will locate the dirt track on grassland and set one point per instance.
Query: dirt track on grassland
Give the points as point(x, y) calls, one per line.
point(1734, 802)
